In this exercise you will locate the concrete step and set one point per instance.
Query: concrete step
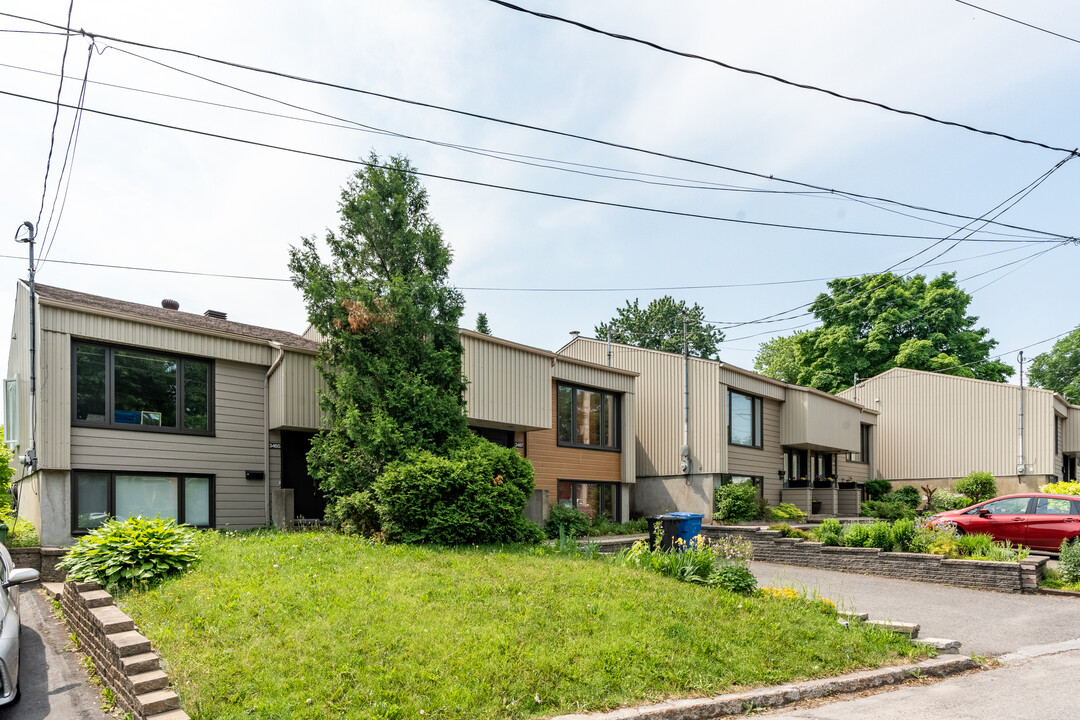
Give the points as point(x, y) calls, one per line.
point(129, 643)
point(54, 590)
point(148, 682)
point(141, 663)
point(911, 630)
point(157, 702)
point(945, 647)
point(170, 715)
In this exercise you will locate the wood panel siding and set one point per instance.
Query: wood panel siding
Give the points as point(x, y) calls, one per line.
point(19, 367)
point(508, 384)
point(140, 333)
point(1070, 441)
point(817, 421)
point(765, 462)
point(848, 471)
point(237, 446)
point(739, 379)
point(942, 426)
point(552, 463)
point(54, 401)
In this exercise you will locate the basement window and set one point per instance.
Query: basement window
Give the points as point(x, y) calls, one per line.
point(98, 496)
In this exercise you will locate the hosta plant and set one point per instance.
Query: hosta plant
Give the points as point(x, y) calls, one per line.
point(134, 552)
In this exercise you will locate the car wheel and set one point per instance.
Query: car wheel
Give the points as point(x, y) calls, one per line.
point(960, 530)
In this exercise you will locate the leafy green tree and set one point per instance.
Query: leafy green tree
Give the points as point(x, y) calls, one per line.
point(873, 323)
point(660, 327)
point(1059, 368)
point(778, 358)
point(482, 324)
point(391, 356)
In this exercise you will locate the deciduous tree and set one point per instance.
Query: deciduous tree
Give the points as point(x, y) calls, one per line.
point(1059, 368)
point(660, 327)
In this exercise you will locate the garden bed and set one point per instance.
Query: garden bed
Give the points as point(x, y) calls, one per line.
point(310, 625)
point(771, 546)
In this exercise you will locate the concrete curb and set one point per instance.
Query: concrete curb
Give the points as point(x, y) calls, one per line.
point(1034, 651)
point(780, 695)
point(1059, 593)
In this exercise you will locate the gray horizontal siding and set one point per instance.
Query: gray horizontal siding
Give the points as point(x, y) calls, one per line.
point(236, 447)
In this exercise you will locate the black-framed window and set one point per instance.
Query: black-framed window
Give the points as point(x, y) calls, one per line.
point(592, 498)
point(97, 495)
point(587, 418)
point(744, 419)
point(134, 389)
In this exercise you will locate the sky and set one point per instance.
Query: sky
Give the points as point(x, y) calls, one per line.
point(139, 195)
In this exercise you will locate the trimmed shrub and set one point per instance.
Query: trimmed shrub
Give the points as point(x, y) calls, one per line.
point(353, 514)
point(944, 500)
point(787, 511)
point(877, 488)
point(134, 552)
point(476, 494)
point(790, 532)
point(886, 510)
point(1069, 561)
point(735, 578)
point(903, 531)
point(855, 535)
point(908, 495)
point(879, 535)
point(978, 486)
point(569, 519)
point(1065, 487)
point(737, 502)
point(830, 532)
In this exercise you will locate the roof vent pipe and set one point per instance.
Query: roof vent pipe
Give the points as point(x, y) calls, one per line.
point(170, 304)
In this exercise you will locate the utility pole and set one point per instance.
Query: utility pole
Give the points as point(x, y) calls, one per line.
point(685, 450)
point(1021, 468)
point(30, 458)
point(856, 386)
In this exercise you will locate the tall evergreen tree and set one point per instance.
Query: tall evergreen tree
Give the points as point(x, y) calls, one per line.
point(391, 357)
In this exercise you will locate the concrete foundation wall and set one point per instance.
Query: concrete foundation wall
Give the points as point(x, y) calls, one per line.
point(1006, 484)
point(656, 495)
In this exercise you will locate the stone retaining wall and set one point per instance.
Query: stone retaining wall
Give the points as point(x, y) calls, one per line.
point(770, 546)
point(123, 657)
point(43, 560)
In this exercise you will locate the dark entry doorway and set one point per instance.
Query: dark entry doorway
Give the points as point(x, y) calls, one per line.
point(307, 498)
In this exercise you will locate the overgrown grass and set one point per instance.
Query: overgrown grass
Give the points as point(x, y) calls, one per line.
point(21, 532)
point(1052, 579)
point(313, 625)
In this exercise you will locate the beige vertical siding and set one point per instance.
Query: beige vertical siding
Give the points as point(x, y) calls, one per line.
point(294, 402)
point(509, 385)
point(765, 462)
point(140, 333)
point(19, 367)
point(941, 426)
point(1070, 441)
point(659, 405)
point(751, 382)
point(54, 401)
point(275, 459)
point(236, 447)
point(847, 471)
point(817, 421)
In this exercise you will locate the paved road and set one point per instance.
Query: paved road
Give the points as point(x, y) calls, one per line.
point(54, 685)
point(1039, 687)
point(987, 623)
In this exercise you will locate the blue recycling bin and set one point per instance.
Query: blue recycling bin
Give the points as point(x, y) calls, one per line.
point(689, 526)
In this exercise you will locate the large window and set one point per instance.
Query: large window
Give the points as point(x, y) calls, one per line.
point(97, 496)
point(593, 499)
point(744, 419)
point(587, 418)
point(141, 390)
point(863, 455)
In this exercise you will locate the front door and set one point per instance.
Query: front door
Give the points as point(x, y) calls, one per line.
point(308, 499)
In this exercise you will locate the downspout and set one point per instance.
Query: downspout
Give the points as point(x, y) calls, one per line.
point(685, 450)
point(266, 427)
point(1021, 468)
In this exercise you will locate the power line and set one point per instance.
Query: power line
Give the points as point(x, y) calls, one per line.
point(1018, 22)
point(56, 117)
point(523, 191)
point(776, 78)
point(69, 155)
point(512, 123)
point(228, 276)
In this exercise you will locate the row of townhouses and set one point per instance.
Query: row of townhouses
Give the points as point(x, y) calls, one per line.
point(150, 410)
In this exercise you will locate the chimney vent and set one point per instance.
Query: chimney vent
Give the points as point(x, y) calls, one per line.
point(216, 314)
point(170, 304)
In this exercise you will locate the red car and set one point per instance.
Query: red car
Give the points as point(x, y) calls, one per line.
point(1037, 520)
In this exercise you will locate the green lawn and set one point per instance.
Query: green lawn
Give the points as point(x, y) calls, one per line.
point(312, 625)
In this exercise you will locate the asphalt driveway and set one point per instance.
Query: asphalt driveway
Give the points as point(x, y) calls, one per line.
point(987, 623)
point(54, 685)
